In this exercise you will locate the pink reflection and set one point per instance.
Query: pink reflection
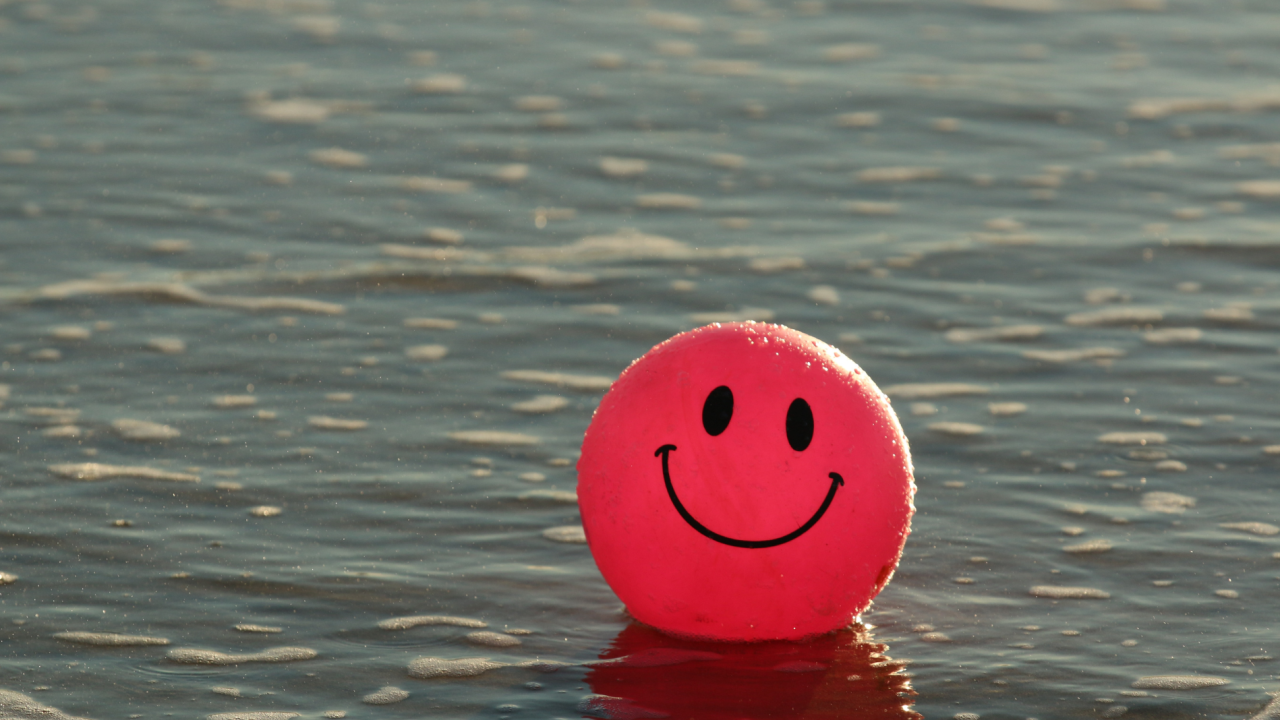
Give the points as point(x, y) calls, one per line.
point(846, 675)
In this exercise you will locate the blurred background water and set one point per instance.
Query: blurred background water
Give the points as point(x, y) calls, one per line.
point(305, 305)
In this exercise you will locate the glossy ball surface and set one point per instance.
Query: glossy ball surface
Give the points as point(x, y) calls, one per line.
point(745, 481)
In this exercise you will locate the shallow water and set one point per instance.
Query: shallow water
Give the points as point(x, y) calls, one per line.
point(227, 222)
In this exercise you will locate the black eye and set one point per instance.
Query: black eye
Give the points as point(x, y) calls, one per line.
point(717, 411)
point(799, 424)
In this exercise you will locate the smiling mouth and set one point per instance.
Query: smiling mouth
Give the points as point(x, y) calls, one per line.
point(836, 483)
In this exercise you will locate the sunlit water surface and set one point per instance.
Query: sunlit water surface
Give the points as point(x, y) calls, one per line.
point(329, 291)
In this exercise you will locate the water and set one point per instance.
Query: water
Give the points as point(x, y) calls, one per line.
point(898, 178)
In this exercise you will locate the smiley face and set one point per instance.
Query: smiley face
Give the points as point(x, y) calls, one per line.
point(717, 412)
point(745, 481)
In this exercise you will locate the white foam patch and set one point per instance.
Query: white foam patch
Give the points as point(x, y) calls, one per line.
point(912, 391)
point(336, 157)
point(167, 345)
point(426, 353)
point(426, 668)
point(512, 173)
point(440, 83)
point(677, 22)
point(430, 324)
point(110, 639)
point(626, 243)
point(250, 628)
point(1261, 189)
point(668, 201)
point(184, 293)
point(1230, 313)
point(1037, 6)
point(70, 332)
point(1006, 409)
point(898, 174)
point(777, 264)
point(1133, 438)
point(1263, 151)
point(252, 715)
point(1173, 336)
point(878, 208)
point(143, 430)
point(196, 656)
point(1256, 528)
point(292, 111)
point(998, 333)
point(443, 186)
point(413, 621)
point(101, 471)
point(551, 277)
point(16, 706)
point(598, 309)
point(52, 416)
point(1059, 592)
point(1115, 316)
point(493, 437)
point(860, 120)
point(567, 380)
point(1091, 546)
point(1073, 355)
point(385, 696)
point(572, 534)
point(446, 236)
point(1178, 682)
point(492, 639)
point(960, 429)
point(728, 161)
point(848, 52)
point(729, 68)
point(824, 295)
point(410, 252)
point(324, 422)
point(1167, 502)
point(564, 496)
point(234, 401)
point(617, 167)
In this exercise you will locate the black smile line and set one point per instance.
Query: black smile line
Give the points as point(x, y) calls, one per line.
point(836, 482)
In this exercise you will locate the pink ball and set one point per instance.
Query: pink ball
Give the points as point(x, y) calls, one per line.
point(745, 481)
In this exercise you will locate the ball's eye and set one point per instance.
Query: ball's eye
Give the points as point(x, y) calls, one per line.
point(799, 424)
point(717, 411)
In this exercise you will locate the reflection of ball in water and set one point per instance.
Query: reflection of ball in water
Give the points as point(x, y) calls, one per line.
point(837, 676)
point(747, 482)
